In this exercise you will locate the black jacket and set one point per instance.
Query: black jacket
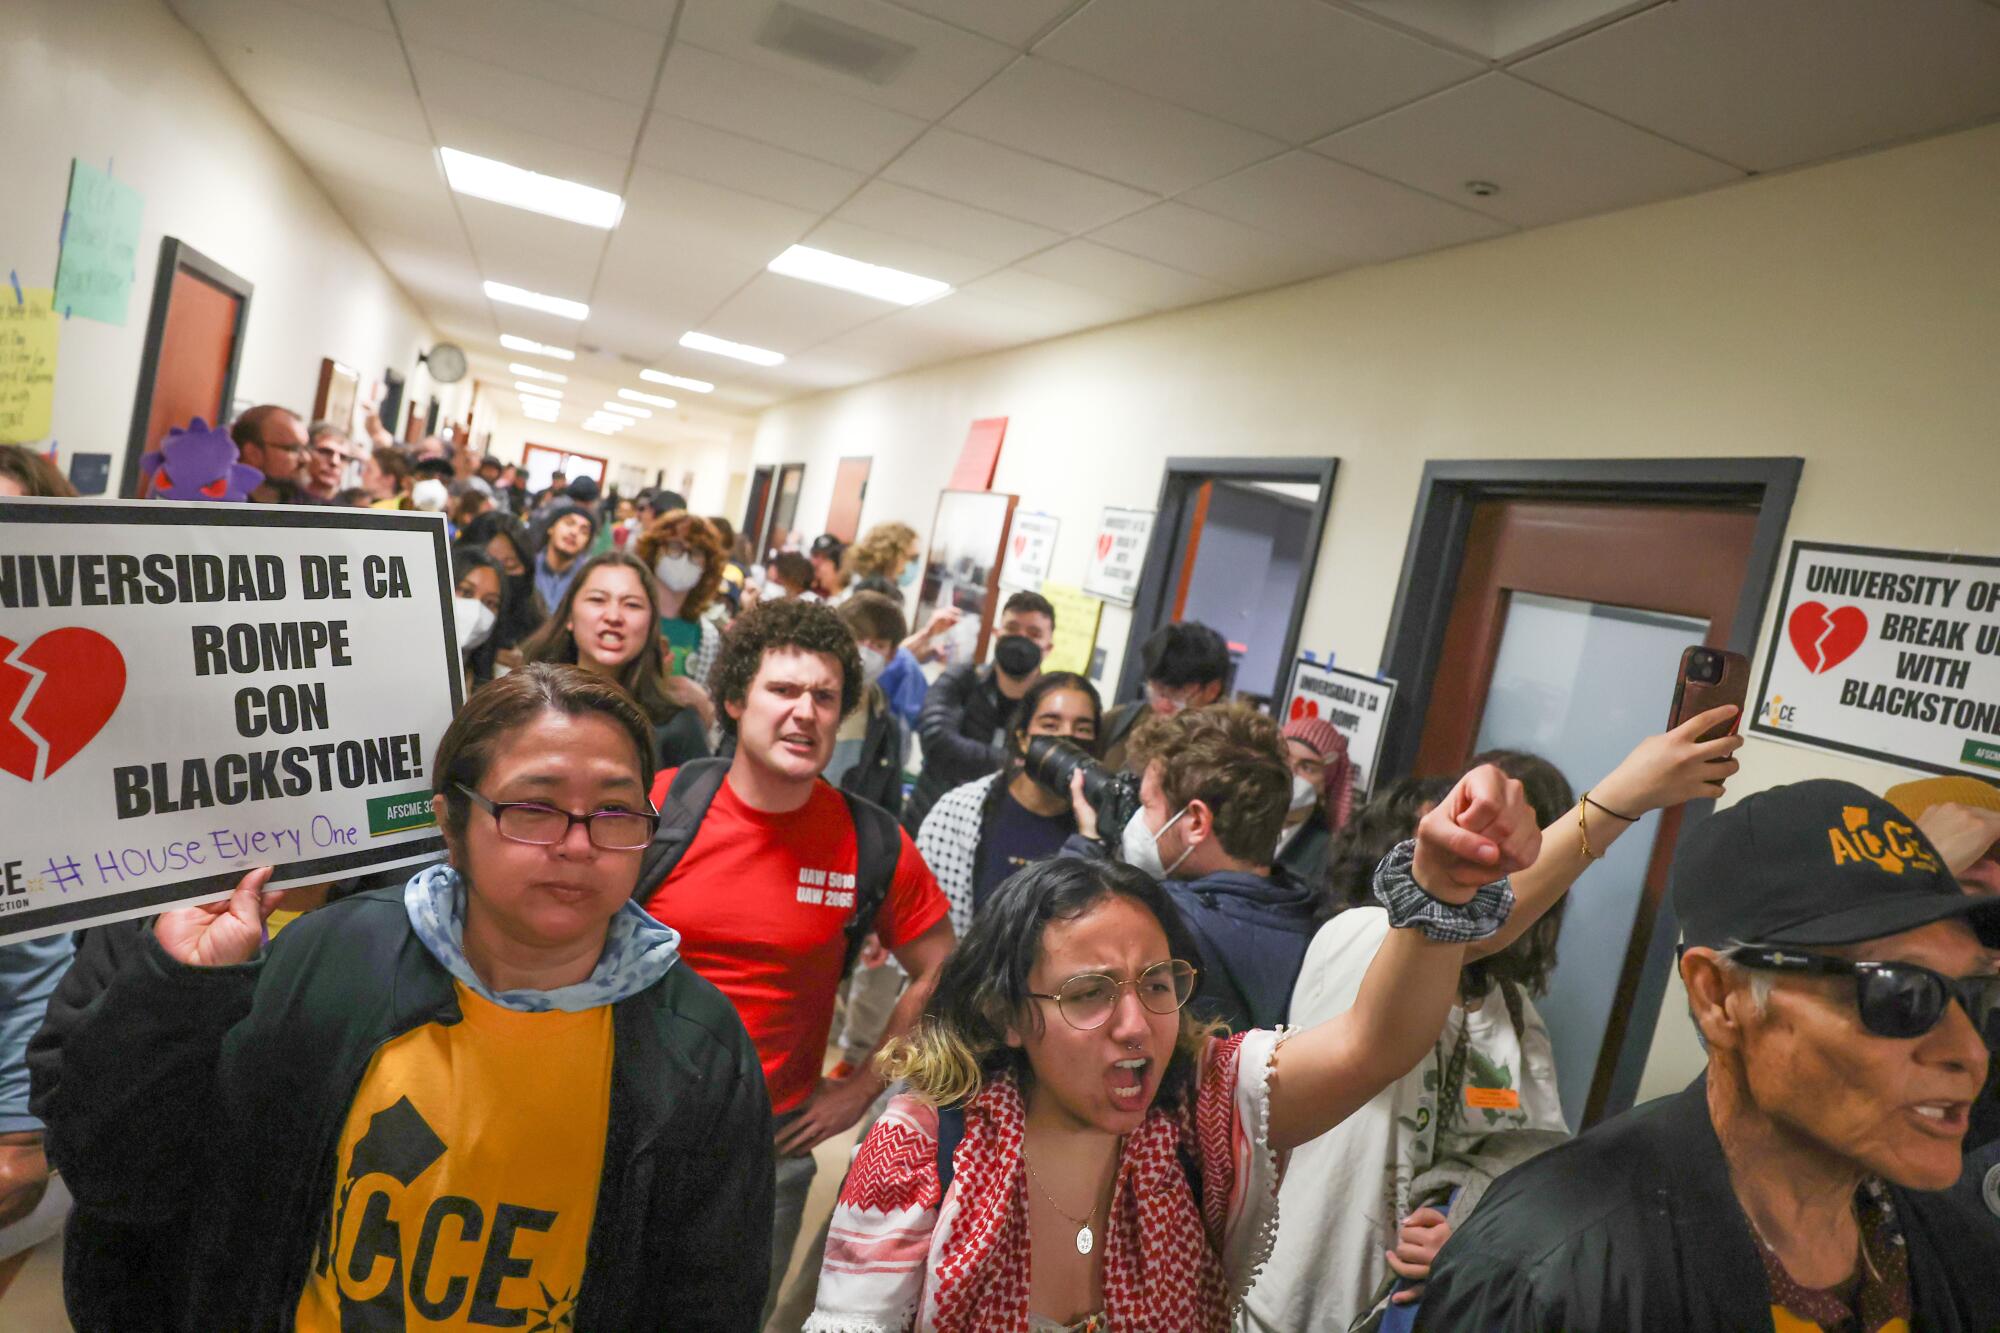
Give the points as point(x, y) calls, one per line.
point(964, 718)
point(197, 1111)
point(1634, 1226)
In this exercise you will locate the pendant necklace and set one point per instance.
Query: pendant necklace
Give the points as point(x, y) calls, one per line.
point(1086, 1240)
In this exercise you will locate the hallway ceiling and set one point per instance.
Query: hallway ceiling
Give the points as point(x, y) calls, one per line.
point(1062, 163)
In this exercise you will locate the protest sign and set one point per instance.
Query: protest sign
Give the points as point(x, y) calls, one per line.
point(1031, 544)
point(28, 327)
point(1077, 614)
point(1890, 655)
point(100, 246)
point(1356, 705)
point(1119, 556)
point(191, 690)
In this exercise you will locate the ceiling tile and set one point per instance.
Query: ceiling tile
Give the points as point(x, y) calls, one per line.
point(415, 205)
point(706, 153)
point(1296, 69)
point(1122, 277)
point(897, 252)
point(779, 108)
point(333, 147)
point(699, 222)
point(1059, 114)
point(901, 211)
point(280, 55)
point(1782, 82)
point(456, 85)
point(1014, 22)
point(1358, 218)
point(1552, 158)
point(1233, 253)
point(787, 315)
point(368, 13)
point(986, 175)
point(652, 15)
point(946, 64)
point(561, 44)
point(524, 249)
point(523, 148)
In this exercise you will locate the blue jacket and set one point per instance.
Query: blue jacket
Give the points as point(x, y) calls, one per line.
point(1253, 931)
point(904, 684)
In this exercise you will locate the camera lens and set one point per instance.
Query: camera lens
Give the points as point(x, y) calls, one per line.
point(1705, 666)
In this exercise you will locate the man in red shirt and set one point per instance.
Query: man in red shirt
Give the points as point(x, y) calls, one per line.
point(763, 893)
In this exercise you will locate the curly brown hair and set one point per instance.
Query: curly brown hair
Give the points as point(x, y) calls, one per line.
point(811, 627)
point(1231, 758)
point(881, 550)
point(693, 532)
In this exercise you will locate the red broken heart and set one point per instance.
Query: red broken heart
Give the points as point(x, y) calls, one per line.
point(1103, 545)
point(83, 679)
point(1302, 707)
point(1824, 639)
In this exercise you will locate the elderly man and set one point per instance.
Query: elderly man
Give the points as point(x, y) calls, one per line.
point(1840, 980)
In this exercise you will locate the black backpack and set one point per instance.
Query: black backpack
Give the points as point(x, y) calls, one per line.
point(878, 845)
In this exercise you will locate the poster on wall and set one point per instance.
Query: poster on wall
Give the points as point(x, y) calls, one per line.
point(1119, 555)
point(189, 691)
point(1890, 655)
point(1356, 705)
point(962, 569)
point(100, 246)
point(1029, 549)
point(1077, 617)
point(28, 327)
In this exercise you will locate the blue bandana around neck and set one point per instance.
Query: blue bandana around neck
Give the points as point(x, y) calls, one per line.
point(637, 949)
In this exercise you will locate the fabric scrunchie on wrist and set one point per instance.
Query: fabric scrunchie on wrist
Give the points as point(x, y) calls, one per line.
point(1441, 922)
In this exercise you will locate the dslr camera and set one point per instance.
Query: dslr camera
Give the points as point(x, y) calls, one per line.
point(1114, 796)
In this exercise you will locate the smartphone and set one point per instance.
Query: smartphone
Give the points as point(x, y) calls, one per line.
point(1710, 678)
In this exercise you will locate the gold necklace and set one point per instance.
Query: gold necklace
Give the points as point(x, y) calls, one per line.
point(1086, 1240)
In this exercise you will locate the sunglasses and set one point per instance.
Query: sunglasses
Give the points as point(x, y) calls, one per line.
point(1895, 999)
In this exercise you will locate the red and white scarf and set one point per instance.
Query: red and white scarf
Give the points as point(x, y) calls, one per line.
point(901, 1256)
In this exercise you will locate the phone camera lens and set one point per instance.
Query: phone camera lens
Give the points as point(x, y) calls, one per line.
point(1706, 667)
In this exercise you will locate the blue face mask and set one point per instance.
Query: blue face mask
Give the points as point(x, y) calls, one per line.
point(909, 574)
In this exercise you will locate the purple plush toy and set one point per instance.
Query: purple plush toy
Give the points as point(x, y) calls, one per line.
point(198, 463)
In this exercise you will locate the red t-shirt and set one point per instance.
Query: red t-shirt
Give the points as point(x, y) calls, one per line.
point(762, 902)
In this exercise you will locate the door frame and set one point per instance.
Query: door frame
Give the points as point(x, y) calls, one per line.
point(177, 256)
point(1431, 565)
point(1174, 520)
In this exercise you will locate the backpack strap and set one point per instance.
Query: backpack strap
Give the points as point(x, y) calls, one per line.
point(878, 842)
point(694, 787)
point(951, 1128)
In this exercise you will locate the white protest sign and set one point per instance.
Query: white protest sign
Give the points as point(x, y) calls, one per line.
point(1356, 705)
point(1119, 556)
point(1891, 655)
point(191, 690)
point(1031, 543)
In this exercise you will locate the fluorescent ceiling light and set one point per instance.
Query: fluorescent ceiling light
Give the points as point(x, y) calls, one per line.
point(598, 430)
point(539, 405)
point(536, 390)
point(626, 409)
point(756, 356)
point(536, 373)
point(677, 381)
point(484, 178)
point(852, 275)
point(554, 305)
point(633, 395)
point(515, 343)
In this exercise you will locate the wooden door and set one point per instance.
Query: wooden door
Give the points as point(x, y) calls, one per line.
point(850, 488)
point(1564, 636)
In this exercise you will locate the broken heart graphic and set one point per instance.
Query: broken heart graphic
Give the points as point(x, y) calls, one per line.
point(1020, 547)
point(1824, 639)
point(1103, 545)
point(82, 680)
point(1302, 707)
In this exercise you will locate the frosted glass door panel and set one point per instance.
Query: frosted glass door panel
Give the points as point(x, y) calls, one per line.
point(1580, 684)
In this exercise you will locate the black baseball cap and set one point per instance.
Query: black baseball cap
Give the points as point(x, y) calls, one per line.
point(828, 545)
point(1819, 862)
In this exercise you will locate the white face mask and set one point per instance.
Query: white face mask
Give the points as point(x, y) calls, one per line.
point(873, 664)
point(678, 573)
point(1304, 794)
point(474, 620)
point(1139, 847)
point(430, 494)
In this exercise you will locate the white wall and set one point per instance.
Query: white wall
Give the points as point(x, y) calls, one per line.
point(714, 460)
point(122, 83)
point(1847, 314)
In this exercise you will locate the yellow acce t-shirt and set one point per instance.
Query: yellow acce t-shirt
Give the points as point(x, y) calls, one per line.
point(466, 1180)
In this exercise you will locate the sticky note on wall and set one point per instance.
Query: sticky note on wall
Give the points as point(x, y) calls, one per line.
point(28, 326)
point(100, 246)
